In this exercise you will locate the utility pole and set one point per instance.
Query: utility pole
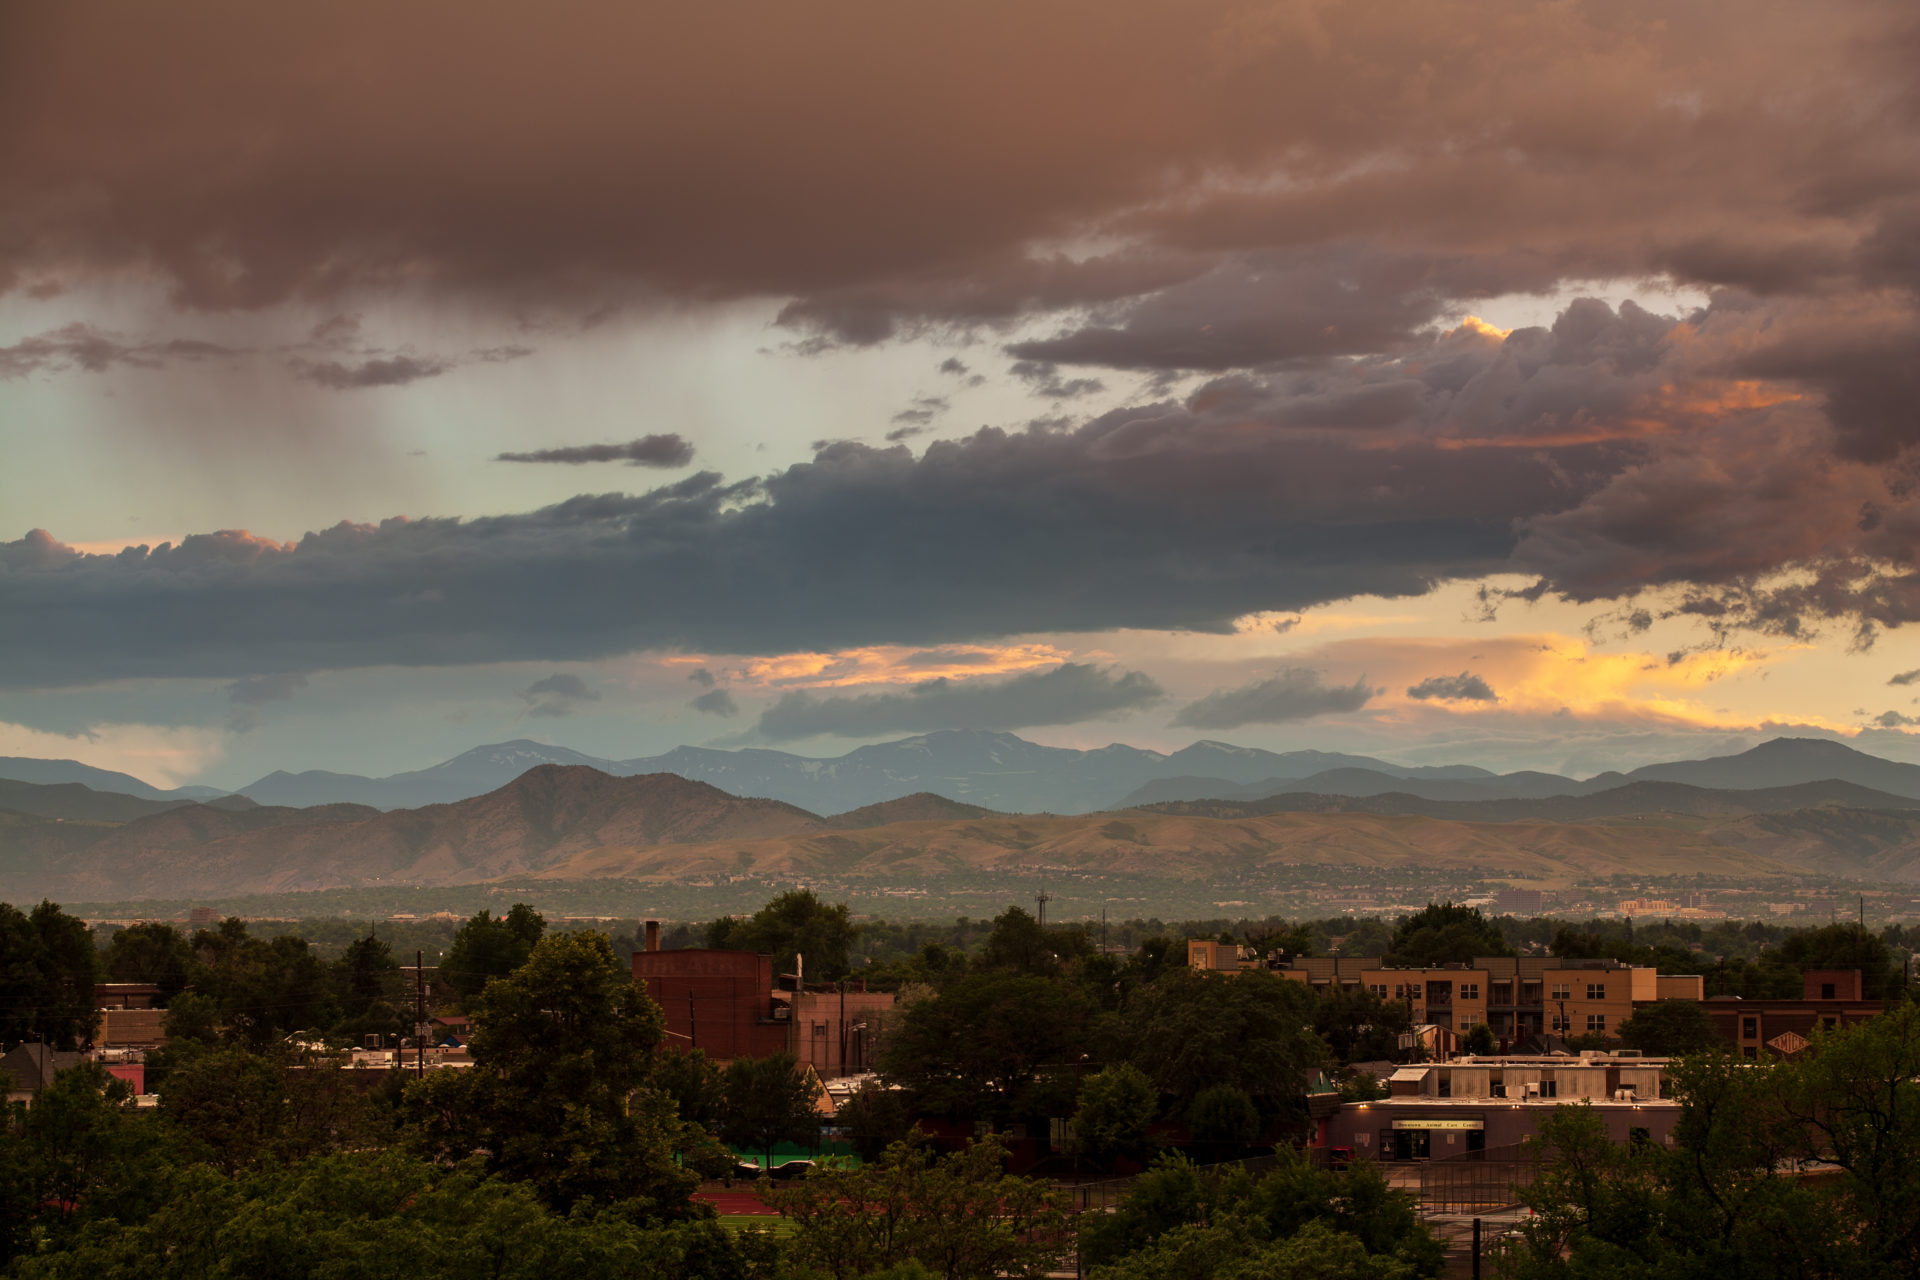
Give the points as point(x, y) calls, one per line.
point(693, 1036)
point(420, 1013)
point(843, 1027)
point(1042, 899)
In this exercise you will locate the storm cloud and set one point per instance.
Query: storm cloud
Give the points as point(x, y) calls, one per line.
point(666, 451)
point(716, 702)
point(1296, 206)
point(1296, 693)
point(1590, 144)
point(1067, 694)
point(558, 695)
point(1465, 687)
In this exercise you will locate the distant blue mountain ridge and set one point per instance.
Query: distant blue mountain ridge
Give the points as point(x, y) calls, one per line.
point(1005, 772)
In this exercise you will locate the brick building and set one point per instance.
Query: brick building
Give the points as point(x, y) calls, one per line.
point(1517, 997)
point(720, 1002)
point(1830, 998)
point(730, 1004)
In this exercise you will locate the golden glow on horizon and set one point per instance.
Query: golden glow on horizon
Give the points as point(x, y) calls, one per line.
point(877, 664)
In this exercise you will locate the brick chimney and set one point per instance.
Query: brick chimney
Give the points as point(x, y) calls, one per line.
point(653, 935)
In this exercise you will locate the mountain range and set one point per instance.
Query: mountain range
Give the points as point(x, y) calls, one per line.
point(997, 770)
point(574, 822)
point(1003, 772)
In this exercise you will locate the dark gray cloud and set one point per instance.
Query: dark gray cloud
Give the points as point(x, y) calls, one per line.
point(1906, 677)
point(716, 702)
point(1066, 694)
point(923, 410)
point(250, 694)
point(91, 350)
point(1467, 454)
point(1044, 377)
point(558, 695)
point(1295, 693)
point(85, 348)
point(702, 677)
point(1465, 687)
point(1895, 720)
point(998, 533)
point(384, 371)
point(1261, 308)
point(254, 690)
point(668, 450)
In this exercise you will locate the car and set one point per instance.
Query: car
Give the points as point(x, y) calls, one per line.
point(791, 1169)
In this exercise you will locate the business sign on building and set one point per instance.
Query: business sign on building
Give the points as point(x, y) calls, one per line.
point(1440, 1124)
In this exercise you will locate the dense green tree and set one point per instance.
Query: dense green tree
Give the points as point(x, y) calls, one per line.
point(1181, 1221)
point(976, 1049)
point(1671, 1028)
point(1193, 1030)
point(1017, 942)
point(487, 947)
point(874, 1118)
point(1443, 933)
point(768, 1101)
point(1846, 946)
point(78, 1156)
point(237, 1109)
point(561, 1047)
point(797, 923)
point(1116, 1106)
point(262, 989)
point(696, 1085)
point(1358, 1026)
point(1731, 1198)
point(151, 952)
point(370, 1216)
point(1223, 1116)
point(1292, 940)
point(960, 1217)
point(48, 967)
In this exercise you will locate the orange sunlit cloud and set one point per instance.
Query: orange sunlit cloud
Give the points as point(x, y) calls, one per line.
point(1557, 675)
point(877, 664)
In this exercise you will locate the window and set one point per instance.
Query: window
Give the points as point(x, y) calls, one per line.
point(1596, 1022)
point(1378, 989)
point(1562, 991)
point(1399, 991)
point(1469, 991)
point(1749, 1028)
point(1466, 1024)
point(1826, 991)
point(1561, 1022)
point(1750, 1052)
point(1596, 991)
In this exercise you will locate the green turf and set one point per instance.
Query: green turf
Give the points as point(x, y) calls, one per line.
point(756, 1222)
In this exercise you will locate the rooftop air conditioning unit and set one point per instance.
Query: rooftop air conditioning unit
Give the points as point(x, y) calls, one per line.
point(1531, 1089)
point(1623, 1095)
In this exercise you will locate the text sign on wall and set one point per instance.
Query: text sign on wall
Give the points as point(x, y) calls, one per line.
point(1439, 1124)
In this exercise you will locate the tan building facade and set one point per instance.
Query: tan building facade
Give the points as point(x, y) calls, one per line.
point(1515, 997)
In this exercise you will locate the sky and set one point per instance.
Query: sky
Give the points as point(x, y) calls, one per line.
point(1523, 384)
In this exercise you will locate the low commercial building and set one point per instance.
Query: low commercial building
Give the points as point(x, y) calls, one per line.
point(1441, 1110)
point(1830, 999)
